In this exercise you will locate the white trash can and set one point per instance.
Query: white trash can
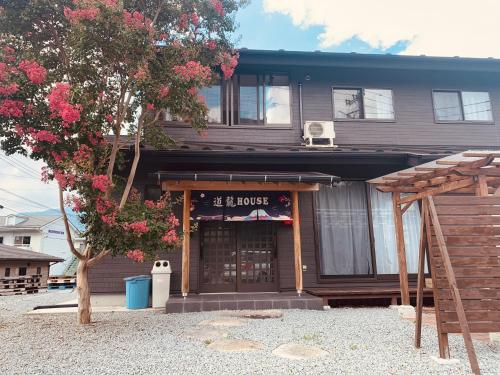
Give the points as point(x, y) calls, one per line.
point(161, 282)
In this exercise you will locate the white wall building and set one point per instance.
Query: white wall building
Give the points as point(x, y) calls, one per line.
point(44, 234)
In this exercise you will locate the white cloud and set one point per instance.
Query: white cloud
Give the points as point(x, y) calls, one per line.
point(433, 27)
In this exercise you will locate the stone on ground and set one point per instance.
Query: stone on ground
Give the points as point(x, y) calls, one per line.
point(223, 322)
point(299, 351)
point(405, 311)
point(495, 338)
point(205, 333)
point(256, 314)
point(234, 345)
point(445, 361)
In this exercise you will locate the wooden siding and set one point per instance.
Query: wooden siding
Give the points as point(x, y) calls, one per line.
point(412, 94)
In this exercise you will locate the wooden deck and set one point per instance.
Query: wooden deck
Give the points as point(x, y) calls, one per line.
point(361, 293)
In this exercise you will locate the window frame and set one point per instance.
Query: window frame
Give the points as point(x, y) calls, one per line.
point(1, 240)
point(363, 119)
point(22, 241)
point(460, 99)
point(374, 276)
point(234, 87)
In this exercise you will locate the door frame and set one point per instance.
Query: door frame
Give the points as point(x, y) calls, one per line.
point(238, 286)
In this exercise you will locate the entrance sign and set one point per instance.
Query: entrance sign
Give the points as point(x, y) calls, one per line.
point(241, 205)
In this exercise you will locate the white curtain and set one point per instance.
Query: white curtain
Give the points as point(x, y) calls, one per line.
point(342, 217)
point(385, 235)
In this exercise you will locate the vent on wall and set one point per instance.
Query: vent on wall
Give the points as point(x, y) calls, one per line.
point(319, 133)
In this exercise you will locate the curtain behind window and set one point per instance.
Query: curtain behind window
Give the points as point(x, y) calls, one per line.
point(342, 217)
point(385, 235)
point(477, 106)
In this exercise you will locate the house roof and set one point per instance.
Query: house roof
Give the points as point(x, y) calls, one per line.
point(15, 253)
point(359, 60)
point(28, 222)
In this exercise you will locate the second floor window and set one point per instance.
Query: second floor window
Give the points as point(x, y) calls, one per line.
point(22, 240)
point(261, 100)
point(213, 99)
point(357, 103)
point(456, 106)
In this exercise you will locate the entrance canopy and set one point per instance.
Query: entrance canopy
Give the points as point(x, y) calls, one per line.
point(245, 181)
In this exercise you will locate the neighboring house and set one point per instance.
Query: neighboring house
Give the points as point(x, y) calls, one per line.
point(40, 233)
point(17, 262)
point(388, 113)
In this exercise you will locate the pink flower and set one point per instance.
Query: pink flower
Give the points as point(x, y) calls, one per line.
point(45, 136)
point(75, 202)
point(103, 205)
point(65, 180)
point(3, 71)
point(59, 105)
point(11, 108)
point(170, 237)
point(164, 91)
point(149, 203)
point(136, 255)
point(193, 70)
point(172, 220)
point(163, 36)
point(211, 44)
point(183, 21)
point(70, 113)
point(150, 106)
point(100, 182)
point(34, 71)
point(141, 73)
point(75, 16)
point(109, 219)
point(109, 118)
point(195, 19)
point(228, 64)
point(82, 155)
point(9, 89)
point(138, 227)
point(192, 91)
point(136, 20)
point(217, 4)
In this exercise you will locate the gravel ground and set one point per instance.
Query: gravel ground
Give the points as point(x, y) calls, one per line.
point(359, 341)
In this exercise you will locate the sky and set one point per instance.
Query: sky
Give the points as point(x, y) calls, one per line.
point(430, 27)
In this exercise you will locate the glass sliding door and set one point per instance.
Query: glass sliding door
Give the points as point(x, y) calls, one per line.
point(384, 233)
point(343, 228)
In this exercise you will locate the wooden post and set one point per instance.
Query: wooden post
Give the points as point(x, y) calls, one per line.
point(482, 189)
point(444, 348)
point(296, 241)
point(186, 213)
point(455, 294)
point(421, 276)
point(400, 241)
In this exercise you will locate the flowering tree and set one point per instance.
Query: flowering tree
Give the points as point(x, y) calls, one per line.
point(81, 79)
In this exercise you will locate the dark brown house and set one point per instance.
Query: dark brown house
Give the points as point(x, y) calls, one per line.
point(311, 127)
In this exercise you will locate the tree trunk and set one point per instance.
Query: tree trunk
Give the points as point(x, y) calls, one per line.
point(82, 287)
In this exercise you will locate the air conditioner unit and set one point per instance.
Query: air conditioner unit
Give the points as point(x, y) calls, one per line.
point(319, 134)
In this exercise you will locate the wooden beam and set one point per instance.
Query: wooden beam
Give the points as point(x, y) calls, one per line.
point(441, 172)
point(482, 186)
point(296, 242)
point(237, 185)
point(450, 186)
point(400, 241)
point(450, 275)
point(186, 227)
point(421, 276)
point(406, 207)
point(444, 348)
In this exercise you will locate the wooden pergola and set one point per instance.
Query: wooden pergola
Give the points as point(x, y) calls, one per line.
point(459, 231)
point(292, 182)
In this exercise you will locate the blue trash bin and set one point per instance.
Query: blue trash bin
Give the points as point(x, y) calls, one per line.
point(137, 291)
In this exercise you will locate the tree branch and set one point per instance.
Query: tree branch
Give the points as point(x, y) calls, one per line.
point(137, 156)
point(157, 13)
point(66, 225)
point(92, 262)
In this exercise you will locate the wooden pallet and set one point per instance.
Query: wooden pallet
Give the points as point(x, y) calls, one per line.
point(20, 285)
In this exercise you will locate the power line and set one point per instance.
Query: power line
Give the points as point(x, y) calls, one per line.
point(13, 163)
point(27, 199)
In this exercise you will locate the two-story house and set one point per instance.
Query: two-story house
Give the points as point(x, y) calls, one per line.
point(41, 233)
point(312, 127)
